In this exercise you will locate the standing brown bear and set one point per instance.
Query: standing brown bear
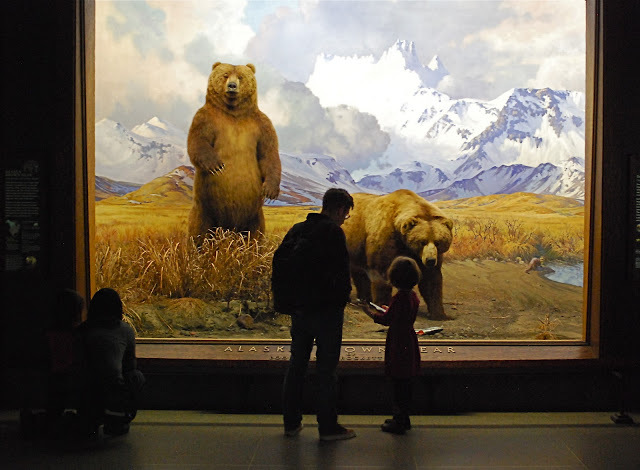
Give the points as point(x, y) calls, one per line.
point(397, 224)
point(234, 149)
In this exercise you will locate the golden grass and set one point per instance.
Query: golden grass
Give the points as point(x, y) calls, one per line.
point(279, 219)
point(123, 218)
point(521, 225)
point(509, 238)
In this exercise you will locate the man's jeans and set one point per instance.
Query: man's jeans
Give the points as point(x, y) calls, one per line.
point(326, 329)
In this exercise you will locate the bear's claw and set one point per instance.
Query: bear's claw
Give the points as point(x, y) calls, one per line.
point(220, 169)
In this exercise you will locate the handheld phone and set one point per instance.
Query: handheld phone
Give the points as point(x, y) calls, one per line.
point(378, 307)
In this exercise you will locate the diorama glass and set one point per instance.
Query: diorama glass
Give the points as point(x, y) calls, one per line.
point(475, 106)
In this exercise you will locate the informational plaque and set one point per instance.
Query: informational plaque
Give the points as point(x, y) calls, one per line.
point(635, 215)
point(22, 216)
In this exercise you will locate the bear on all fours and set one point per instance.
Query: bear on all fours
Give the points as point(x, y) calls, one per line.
point(400, 223)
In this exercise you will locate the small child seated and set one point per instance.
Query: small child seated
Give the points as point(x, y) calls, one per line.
point(112, 382)
point(57, 346)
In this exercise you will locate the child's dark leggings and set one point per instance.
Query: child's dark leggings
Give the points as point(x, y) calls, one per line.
point(401, 404)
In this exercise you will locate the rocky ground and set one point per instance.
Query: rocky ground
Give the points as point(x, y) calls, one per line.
point(485, 300)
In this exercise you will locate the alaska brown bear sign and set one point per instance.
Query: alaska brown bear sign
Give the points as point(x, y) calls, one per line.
point(234, 149)
point(400, 223)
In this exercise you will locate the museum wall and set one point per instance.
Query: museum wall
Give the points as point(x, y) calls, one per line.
point(39, 111)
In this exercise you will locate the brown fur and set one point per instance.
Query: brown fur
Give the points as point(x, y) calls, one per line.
point(234, 149)
point(397, 224)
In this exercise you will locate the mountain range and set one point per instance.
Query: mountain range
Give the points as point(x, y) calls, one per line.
point(125, 155)
point(528, 140)
point(461, 137)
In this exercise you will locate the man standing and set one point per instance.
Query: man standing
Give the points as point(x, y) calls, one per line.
point(320, 316)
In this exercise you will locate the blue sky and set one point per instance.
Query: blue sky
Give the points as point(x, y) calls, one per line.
point(256, 11)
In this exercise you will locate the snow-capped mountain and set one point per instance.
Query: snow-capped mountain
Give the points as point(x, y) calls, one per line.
point(430, 75)
point(533, 127)
point(306, 178)
point(124, 155)
point(393, 80)
point(153, 151)
point(417, 177)
point(162, 131)
point(566, 180)
point(461, 137)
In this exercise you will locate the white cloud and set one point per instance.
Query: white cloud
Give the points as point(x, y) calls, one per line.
point(147, 67)
point(304, 126)
point(274, 105)
point(219, 22)
point(545, 38)
point(361, 139)
point(561, 72)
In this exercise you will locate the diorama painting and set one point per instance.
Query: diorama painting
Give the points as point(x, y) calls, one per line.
point(476, 106)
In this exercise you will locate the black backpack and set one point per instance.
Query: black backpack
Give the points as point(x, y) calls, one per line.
point(292, 269)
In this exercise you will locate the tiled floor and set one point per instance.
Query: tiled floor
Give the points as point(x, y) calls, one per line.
point(199, 440)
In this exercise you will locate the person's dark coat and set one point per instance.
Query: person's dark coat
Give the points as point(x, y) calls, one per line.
point(329, 274)
point(402, 353)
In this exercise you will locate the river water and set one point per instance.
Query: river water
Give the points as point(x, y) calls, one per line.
point(566, 273)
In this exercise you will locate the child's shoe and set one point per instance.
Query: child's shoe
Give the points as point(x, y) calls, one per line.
point(394, 427)
point(338, 433)
point(292, 432)
point(407, 425)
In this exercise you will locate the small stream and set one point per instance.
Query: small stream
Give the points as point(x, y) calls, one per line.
point(566, 273)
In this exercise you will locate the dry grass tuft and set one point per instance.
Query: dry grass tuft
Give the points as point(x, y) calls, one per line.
point(225, 267)
point(547, 326)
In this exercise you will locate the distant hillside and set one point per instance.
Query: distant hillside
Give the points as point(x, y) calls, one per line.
point(106, 187)
point(175, 187)
point(517, 203)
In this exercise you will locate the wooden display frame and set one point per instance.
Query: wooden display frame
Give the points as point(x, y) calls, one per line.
point(359, 354)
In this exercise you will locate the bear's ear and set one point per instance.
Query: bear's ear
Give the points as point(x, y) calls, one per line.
point(252, 67)
point(407, 225)
point(447, 223)
point(215, 65)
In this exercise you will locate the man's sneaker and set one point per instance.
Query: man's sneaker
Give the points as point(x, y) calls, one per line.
point(293, 431)
point(339, 433)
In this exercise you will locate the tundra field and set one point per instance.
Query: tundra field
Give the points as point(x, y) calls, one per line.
point(172, 289)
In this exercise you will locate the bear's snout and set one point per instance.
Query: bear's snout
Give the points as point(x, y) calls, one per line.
point(232, 85)
point(430, 255)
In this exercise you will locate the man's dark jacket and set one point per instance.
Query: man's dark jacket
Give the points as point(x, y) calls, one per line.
point(328, 274)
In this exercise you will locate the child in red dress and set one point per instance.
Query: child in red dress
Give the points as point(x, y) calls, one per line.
point(402, 355)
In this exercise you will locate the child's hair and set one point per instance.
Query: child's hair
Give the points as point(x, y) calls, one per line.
point(105, 307)
point(404, 272)
point(67, 309)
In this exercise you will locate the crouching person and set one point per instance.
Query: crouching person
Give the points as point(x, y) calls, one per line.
point(111, 380)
